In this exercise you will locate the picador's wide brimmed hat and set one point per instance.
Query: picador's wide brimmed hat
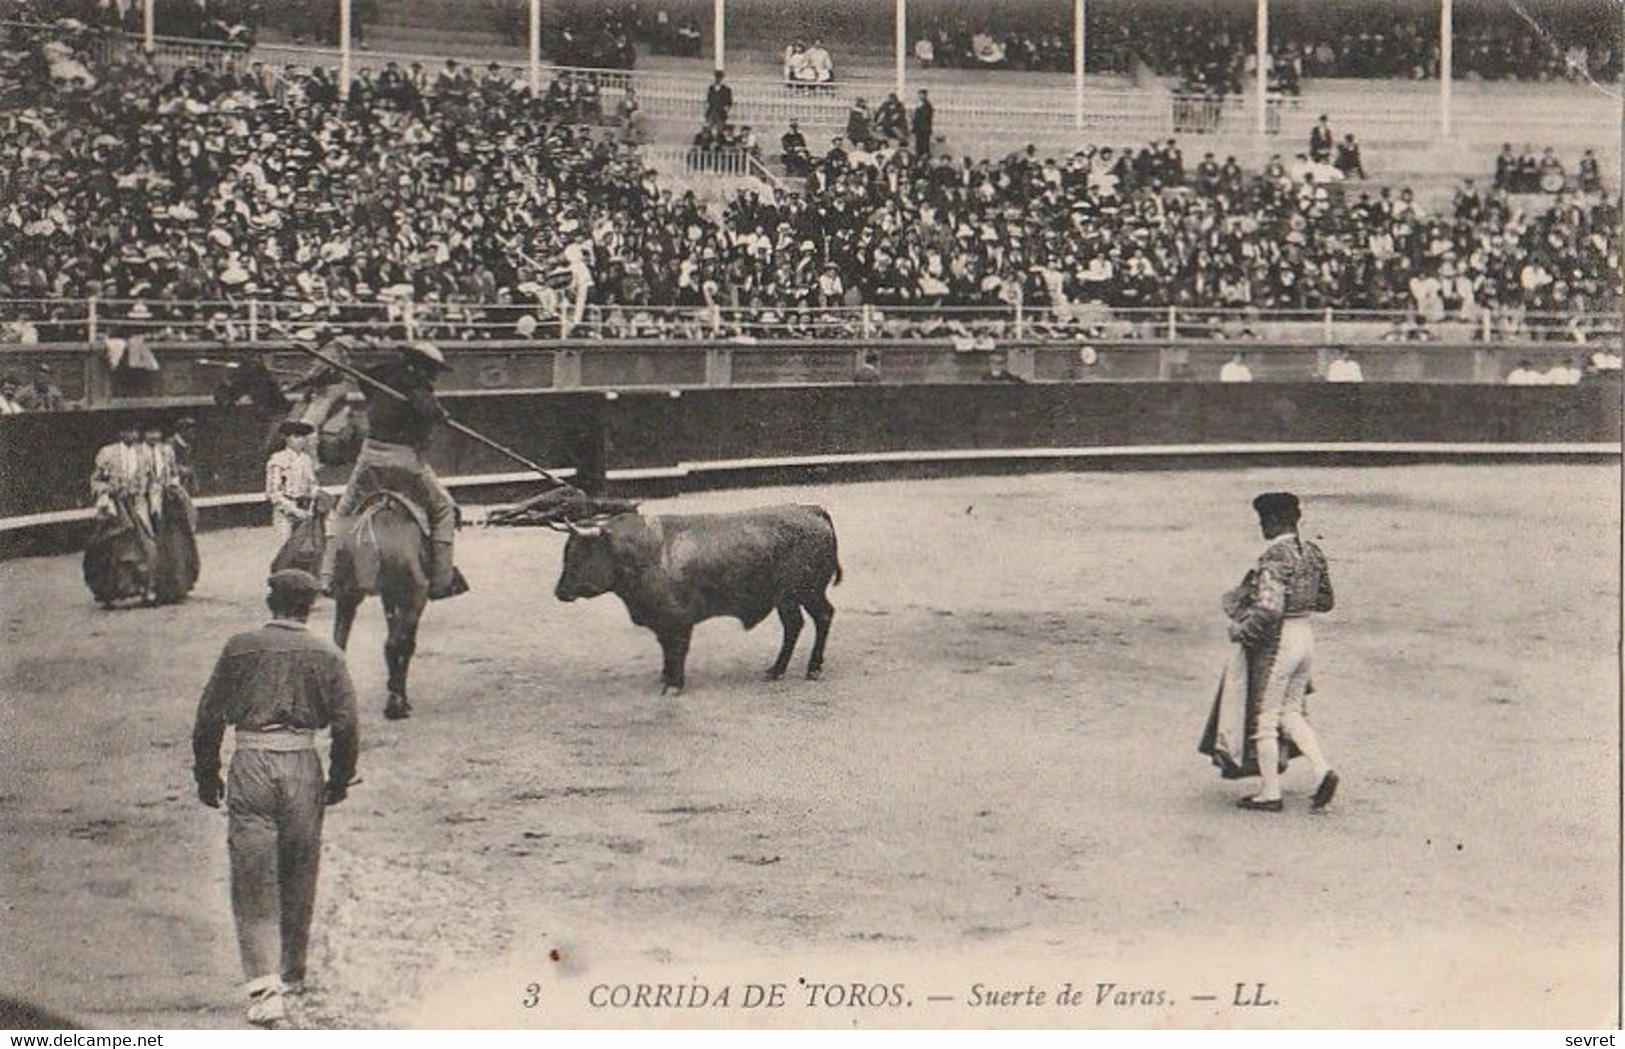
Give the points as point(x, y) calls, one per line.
point(1277, 506)
point(426, 351)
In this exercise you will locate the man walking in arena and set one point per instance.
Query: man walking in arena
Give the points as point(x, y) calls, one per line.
point(1271, 621)
point(277, 686)
point(399, 431)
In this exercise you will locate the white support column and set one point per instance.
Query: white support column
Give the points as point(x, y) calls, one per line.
point(719, 32)
point(1080, 37)
point(1447, 61)
point(535, 48)
point(344, 49)
point(1261, 85)
point(147, 34)
point(901, 45)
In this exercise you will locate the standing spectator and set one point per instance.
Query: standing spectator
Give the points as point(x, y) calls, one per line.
point(277, 686)
point(719, 100)
point(924, 115)
point(1590, 174)
point(857, 124)
point(1506, 169)
point(1321, 141)
point(1348, 158)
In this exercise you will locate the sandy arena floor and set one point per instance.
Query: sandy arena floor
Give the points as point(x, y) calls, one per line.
point(995, 783)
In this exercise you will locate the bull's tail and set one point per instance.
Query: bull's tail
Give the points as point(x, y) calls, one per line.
point(835, 546)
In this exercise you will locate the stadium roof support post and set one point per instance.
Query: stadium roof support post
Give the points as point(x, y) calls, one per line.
point(901, 45)
point(1447, 62)
point(1261, 73)
point(535, 48)
point(719, 32)
point(1079, 38)
point(147, 34)
point(344, 49)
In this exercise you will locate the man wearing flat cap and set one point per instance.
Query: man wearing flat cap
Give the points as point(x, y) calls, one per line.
point(290, 480)
point(398, 433)
point(1269, 615)
point(276, 687)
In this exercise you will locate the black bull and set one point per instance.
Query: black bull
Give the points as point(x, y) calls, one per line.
point(675, 571)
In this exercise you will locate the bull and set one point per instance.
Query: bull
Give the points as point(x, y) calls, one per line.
point(673, 572)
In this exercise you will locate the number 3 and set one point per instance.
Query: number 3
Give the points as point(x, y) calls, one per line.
point(533, 996)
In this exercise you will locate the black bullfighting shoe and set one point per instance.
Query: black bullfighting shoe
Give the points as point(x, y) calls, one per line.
point(1258, 805)
point(1325, 792)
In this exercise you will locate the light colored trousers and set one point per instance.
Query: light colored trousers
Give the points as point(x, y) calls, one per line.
point(274, 838)
point(1289, 678)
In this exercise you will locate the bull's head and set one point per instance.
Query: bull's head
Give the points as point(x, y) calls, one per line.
point(589, 565)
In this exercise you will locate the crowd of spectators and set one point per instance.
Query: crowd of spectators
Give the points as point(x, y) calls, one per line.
point(1527, 173)
point(1209, 46)
point(460, 201)
point(232, 21)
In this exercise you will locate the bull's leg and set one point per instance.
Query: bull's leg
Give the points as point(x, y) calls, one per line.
point(790, 616)
point(674, 644)
point(344, 617)
point(823, 613)
point(403, 641)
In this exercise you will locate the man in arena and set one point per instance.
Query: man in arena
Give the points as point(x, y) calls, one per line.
point(290, 479)
point(277, 687)
point(392, 457)
point(1270, 619)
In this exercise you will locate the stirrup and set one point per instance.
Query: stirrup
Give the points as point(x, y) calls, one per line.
point(458, 585)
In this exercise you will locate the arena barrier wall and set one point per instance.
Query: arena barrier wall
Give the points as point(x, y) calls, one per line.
point(667, 440)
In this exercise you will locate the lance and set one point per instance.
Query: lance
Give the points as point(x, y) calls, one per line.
point(362, 377)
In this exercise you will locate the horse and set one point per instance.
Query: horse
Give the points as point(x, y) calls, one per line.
point(384, 550)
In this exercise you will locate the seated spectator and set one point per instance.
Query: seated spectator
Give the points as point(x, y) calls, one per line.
point(793, 152)
point(1349, 162)
point(1552, 178)
point(858, 124)
point(891, 121)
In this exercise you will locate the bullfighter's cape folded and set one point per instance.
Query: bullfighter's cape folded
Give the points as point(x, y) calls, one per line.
point(1228, 737)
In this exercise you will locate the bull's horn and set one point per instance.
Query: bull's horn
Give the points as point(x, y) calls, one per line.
point(586, 533)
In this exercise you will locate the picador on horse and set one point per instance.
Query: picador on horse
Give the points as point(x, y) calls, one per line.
point(391, 459)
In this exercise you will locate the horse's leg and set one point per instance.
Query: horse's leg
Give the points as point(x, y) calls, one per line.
point(344, 606)
point(403, 641)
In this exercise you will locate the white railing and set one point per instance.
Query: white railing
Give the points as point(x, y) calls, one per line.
point(552, 315)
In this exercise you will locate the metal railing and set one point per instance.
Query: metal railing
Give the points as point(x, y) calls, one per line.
point(552, 315)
